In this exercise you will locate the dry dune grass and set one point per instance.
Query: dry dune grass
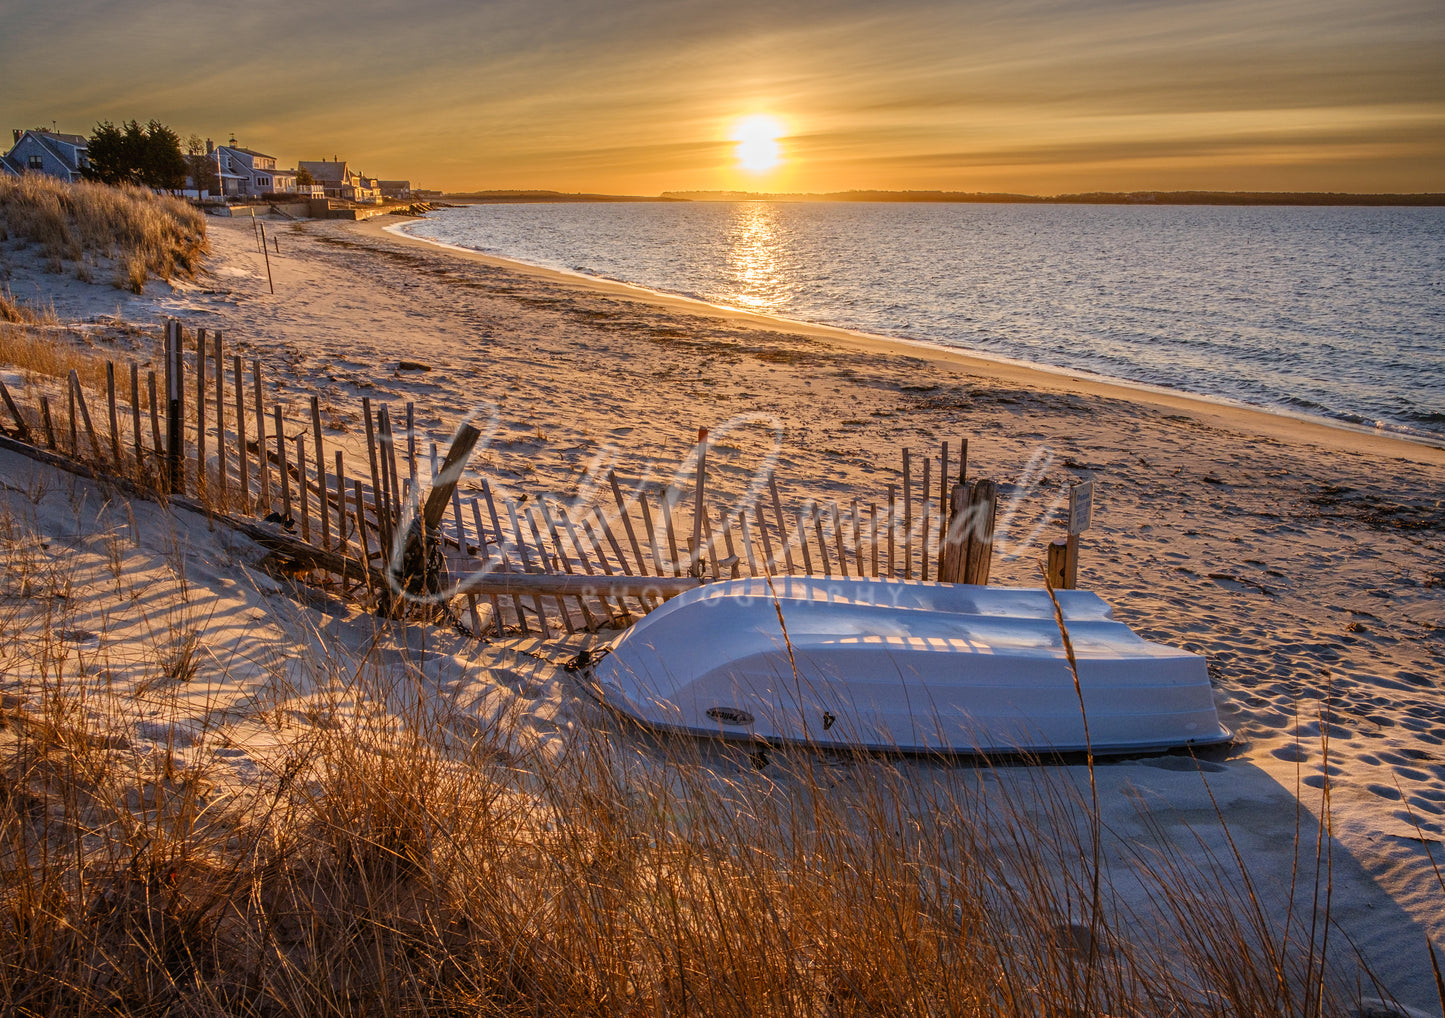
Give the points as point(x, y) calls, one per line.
point(37, 344)
point(398, 862)
point(139, 233)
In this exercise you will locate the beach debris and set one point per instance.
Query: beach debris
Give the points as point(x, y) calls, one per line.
point(412, 366)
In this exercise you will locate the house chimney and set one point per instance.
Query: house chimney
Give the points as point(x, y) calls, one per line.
point(210, 147)
point(17, 133)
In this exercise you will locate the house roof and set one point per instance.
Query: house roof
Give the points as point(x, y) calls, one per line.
point(78, 140)
point(248, 151)
point(325, 170)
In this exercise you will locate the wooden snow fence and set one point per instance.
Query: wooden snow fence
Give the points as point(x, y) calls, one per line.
point(209, 436)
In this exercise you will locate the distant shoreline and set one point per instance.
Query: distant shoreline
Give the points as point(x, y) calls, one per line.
point(1281, 198)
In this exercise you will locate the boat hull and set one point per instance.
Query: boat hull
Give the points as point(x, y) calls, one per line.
point(906, 666)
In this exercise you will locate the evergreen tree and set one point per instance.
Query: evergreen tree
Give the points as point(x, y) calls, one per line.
point(163, 167)
point(148, 156)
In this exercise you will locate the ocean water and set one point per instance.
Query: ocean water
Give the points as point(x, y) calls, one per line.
point(1332, 312)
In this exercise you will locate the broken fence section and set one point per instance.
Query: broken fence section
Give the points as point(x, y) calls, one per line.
point(545, 567)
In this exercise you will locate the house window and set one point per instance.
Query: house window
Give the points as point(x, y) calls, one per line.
point(37, 162)
point(263, 181)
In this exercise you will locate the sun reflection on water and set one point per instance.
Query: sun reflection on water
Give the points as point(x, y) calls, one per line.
point(755, 258)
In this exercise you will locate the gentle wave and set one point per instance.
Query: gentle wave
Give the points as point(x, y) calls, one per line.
point(1330, 312)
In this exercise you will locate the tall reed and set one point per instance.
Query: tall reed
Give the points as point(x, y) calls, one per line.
point(394, 856)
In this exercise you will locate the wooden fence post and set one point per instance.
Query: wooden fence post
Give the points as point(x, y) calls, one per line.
point(283, 467)
point(135, 420)
point(320, 471)
point(84, 414)
point(980, 537)
point(304, 487)
point(699, 507)
point(263, 468)
point(907, 516)
point(201, 413)
point(20, 425)
point(46, 422)
point(114, 416)
point(1058, 554)
point(175, 406)
point(243, 458)
point(218, 349)
point(157, 448)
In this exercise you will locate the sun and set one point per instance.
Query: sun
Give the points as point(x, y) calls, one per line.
point(757, 137)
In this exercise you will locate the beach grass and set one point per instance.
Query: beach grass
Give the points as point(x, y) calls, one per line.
point(392, 856)
point(37, 344)
point(133, 233)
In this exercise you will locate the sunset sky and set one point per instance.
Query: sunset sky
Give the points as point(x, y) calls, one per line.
point(1036, 96)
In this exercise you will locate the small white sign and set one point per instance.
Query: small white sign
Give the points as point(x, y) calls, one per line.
point(1081, 507)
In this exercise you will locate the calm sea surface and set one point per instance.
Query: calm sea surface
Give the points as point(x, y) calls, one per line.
point(1336, 312)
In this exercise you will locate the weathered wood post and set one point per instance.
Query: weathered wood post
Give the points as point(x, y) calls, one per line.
point(263, 468)
point(283, 467)
point(422, 568)
point(243, 464)
point(907, 515)
point(699, 507)
point(953, 553)
point(114, 415)
point(175, 404)
point(157, 447)
point(201, 486)
point(135, 420)
point(980, 534)
point(1081, 517)
point(78, 395)
point(217, 350)
point(320, 471)
point(46, 422)
point(20, 426)
point(1058, 557)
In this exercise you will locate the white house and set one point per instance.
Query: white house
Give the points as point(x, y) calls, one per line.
point(48, 152)
point(244, 171)
point(341, 181)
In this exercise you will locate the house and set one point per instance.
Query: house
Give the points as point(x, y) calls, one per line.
point(245, 171)
point(340, 181)
point(395, 188)
point(48, 152)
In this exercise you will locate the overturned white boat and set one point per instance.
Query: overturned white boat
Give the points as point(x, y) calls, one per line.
point(905, 666)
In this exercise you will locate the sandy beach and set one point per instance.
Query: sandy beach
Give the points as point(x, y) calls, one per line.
point(1305, 561)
